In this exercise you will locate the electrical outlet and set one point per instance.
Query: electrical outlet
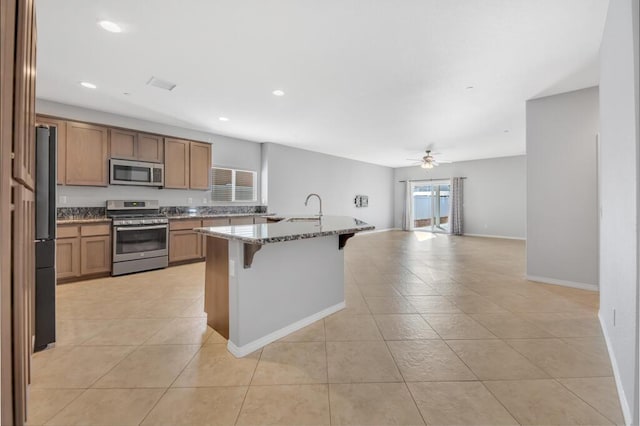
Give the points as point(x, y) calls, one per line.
point(189, 200)
point(232, 268)
point(205, 200)
point(63, 199)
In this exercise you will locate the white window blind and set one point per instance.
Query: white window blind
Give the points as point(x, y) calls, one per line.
point(231, 185)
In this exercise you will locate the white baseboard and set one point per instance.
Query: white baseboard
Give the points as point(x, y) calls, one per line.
point(626, 410)
point(240, 351)
point(494, 236)
point(564, 283)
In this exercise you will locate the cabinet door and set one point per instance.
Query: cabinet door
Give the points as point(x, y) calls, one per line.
point(176, 165)
point(219, 221)
point(259, 219)
point(123, 144)
point(150, 148)
point(67, 257)
point(200, 165)
point(96, 255)
point(61, 148)
point(87, 154)
point(184, 245)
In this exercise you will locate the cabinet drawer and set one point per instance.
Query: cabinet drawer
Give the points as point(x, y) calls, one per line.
point(243, 220)
point(223, 221)
point(176, 225)
point(91, 230)
point(259, 219)
point(69, 231)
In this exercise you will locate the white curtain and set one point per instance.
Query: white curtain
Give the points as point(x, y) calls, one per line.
point(408, 206)
point(455, 221)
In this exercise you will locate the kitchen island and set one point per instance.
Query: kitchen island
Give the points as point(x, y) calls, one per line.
point(265, 281)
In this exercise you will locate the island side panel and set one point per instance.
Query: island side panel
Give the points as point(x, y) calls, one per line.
point(216, 287)
point(288, 282)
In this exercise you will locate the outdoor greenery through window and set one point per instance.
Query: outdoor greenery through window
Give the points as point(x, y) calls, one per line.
point(229, 185)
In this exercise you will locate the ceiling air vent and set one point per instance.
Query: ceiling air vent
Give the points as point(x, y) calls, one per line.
point(162, 84)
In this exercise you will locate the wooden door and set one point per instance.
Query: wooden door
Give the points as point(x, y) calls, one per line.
point(123, 144)
point(7, 63)
point(150, 148)
point(176, 163)
point(61, 148)
point(200, 165)
point(87, 154)
point(184, 245)
point(96, 255)
point(24, 96)
point(23, 244)
point(67, 257)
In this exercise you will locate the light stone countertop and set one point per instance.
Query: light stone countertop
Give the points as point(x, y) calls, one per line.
point(289, 229)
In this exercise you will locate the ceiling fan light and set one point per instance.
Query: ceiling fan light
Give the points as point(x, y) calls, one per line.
point(428, 165)
point(424, 165)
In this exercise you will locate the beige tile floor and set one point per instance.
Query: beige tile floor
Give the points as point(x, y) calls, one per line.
point(437, 330)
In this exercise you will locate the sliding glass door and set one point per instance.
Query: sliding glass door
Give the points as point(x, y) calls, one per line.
point(430, 206)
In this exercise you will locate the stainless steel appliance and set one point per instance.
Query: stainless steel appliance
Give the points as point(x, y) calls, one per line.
point(125, 172)
point(140, 236)
point(45, 291)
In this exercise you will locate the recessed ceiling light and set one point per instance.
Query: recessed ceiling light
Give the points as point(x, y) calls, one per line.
point(88, 85)
point(469, 87)
point(112, 27)
point(278, 92)
point(506, 130)
point(223, 119)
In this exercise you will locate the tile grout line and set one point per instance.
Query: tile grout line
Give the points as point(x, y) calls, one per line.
point(248, 387)
point(326, 358)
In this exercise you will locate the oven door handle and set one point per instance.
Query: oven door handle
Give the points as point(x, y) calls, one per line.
point(139, 228)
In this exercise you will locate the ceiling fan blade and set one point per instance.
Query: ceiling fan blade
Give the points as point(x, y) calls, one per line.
point(445, 161)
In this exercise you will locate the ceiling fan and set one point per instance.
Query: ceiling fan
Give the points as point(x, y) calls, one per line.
point(429, 161)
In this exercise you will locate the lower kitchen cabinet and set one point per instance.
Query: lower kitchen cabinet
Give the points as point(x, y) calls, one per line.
point(184, 243)
point(96, 255)
point(82, 250)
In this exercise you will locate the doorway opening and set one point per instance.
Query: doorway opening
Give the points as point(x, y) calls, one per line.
point(430, 206)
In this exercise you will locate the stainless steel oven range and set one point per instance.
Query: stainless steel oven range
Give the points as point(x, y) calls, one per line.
point(140, 236)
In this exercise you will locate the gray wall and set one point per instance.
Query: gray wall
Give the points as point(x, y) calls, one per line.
point(227, 152)
point(294, 173)
point(619, 198)
point(494, 194)
point(562, 244)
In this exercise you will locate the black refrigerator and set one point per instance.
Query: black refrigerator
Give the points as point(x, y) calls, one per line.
point(45, 291)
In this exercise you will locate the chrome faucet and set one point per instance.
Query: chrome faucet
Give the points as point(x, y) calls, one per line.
point(306, 202)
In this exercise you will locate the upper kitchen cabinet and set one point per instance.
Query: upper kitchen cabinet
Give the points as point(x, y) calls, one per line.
point(130, 145)
point(176, 164)
point(187, 164)
point(200, 165)
point(87, 155)
point(61, 132)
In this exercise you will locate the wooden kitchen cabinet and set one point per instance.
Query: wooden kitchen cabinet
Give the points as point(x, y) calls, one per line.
point(259, 219)
point(199, 165)
point(176, 165)
point(150, 148)
point(83, 250)
point(123, 144)
point(184, 243)
point(61, 148)
point(96, 255)
point(187, 164)
point(131, 145)
point(87, 155)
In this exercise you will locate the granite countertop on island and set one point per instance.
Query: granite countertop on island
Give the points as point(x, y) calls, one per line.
point(289, 229)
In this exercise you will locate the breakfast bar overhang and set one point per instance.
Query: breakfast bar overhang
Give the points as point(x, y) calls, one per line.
point(265, 281)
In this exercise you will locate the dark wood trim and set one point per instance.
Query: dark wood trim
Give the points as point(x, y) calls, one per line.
point(250, 250)
point(342, 241)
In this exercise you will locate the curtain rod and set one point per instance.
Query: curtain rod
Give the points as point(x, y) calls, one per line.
point(429, 180)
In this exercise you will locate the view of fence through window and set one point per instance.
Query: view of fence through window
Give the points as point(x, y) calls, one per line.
point(431, 206)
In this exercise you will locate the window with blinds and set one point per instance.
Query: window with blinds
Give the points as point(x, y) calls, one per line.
point(231, 185)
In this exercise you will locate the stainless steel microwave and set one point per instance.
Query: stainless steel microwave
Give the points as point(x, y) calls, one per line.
point(125, 172)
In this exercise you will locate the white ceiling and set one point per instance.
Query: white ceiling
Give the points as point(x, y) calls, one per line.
point(374, 80)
